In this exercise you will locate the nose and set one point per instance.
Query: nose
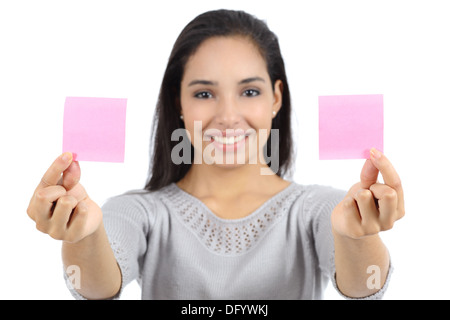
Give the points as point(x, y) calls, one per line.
point(228, 114)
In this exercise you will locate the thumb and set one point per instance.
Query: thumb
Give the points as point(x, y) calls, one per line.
point(71, 176)
point(369, 174)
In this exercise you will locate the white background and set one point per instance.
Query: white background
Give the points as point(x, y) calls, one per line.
point(53, 49)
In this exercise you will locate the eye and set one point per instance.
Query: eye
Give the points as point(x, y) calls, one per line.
point(203, 95)
point(251, 93)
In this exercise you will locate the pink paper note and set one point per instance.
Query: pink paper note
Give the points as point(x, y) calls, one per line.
point(350, 125)
point(94, 128)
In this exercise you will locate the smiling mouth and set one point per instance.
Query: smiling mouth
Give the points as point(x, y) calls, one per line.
point(229, 140)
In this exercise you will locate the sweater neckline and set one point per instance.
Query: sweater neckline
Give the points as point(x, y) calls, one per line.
point(228, 237)
point(255, 212)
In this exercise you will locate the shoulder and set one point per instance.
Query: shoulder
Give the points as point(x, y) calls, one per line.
point(323, 194)
point(139, 197)
point(314, 193)
point(302, 199)
point(138, 204)
point(314, 201)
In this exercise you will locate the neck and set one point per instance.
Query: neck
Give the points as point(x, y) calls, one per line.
point(225, 183)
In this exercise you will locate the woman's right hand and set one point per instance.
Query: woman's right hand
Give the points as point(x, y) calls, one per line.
point(60, 205)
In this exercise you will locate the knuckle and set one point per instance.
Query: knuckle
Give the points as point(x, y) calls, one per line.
point(41, 226)
point(67, 201)
point(82, 209)
point(56, 233)
point(41, 195)
point(388, 224)
point(53, 236)
point(391, 194)
point(348, 203)
point(364, 195)
point(63, 201)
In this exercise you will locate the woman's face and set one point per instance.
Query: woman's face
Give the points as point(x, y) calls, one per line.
point(227, 101)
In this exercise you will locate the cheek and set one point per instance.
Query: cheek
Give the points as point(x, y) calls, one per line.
point(259, 117)
point(194, 109)
point(195, 112)
point(195, 121)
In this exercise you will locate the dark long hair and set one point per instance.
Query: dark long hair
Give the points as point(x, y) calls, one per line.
point(167, 114)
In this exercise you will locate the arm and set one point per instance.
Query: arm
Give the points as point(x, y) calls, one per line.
point(368, 208)
point(354, 260)
point(61, 208)
point(100, 275)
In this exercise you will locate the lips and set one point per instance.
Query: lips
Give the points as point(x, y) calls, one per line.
point(232, 141)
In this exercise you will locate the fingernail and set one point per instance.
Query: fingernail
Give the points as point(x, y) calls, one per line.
point(66, 157)
point(375, 153)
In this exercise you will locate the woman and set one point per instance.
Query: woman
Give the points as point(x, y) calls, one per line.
point(217, 220)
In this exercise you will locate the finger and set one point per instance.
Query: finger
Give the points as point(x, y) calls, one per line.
point(369, 174)
point(71, 176)
point(387, 201)
point(77, 224)
point(43, 200)
point(390, 175)
point(351, 220)
point(368, 211)
point(54, 172)
point(42, 208)
point(61, 215)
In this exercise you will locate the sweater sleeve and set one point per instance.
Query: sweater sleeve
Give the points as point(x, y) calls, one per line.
point(320, 203)
point(127, 223)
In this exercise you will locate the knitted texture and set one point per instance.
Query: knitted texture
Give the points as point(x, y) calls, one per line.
point(177, 248)
point(228, 237)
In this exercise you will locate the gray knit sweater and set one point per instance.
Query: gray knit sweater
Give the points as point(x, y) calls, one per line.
point(178, 249)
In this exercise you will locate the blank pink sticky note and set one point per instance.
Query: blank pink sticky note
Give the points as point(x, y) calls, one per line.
point(350, 125)
point(94, 128)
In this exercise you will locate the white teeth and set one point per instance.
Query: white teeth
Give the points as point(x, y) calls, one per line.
point(229, 140)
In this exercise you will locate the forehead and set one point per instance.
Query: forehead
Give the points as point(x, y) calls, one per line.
point(226, 56)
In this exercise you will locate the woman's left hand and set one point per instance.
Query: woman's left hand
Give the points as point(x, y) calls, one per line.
point(370, 207)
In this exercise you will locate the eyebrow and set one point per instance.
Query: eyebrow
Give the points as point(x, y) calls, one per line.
point(215, 83)
point(202, 82)
point(249, 80)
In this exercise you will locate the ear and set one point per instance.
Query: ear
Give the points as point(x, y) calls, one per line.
point(277, 96)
